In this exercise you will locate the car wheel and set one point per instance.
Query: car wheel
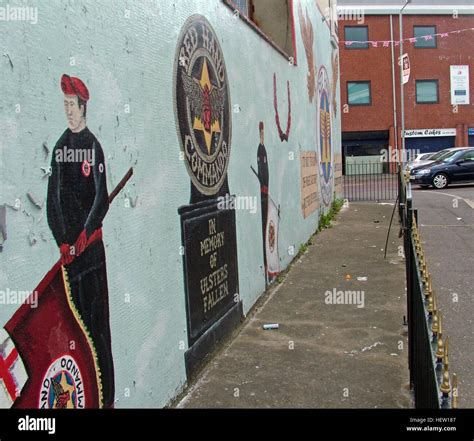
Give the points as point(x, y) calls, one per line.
point(440, 180)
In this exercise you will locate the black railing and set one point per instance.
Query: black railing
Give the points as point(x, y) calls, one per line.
point(375, 181)
point(427, 344)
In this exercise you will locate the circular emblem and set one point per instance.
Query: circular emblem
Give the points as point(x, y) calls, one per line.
point(202, 105)
point(86, 169)
point(271, 235)
point(324, 130)
point(62, 386)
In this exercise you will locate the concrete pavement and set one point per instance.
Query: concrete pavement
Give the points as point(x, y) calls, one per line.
point(323, 355)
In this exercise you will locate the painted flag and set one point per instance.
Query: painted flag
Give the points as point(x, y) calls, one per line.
point(271, 242)
point(13, 374)
point(56, 366)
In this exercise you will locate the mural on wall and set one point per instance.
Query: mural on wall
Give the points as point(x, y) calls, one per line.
point(57, 353)
point(283, 135)
point(271, 240)
point(203, 121)
point(202, 109)
point(324, 136)
point(77, 204)
point(309, 182)
point(3, 226)
point(338, 178)
point(338, 184)
point(306, 29)
point(335, 76)
point(270, 213)
point(328, 9)
point(54, 350)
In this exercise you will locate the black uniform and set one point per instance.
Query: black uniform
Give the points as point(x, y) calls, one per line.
point(78, 200)
point(263, 177)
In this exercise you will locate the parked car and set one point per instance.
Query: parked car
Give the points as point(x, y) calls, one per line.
point(432, 157)
point(420, 159)
point(454, 167)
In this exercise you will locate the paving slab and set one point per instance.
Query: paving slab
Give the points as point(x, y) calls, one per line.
point(323, 355)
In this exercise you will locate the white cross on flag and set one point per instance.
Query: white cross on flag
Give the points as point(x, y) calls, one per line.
point(13, 375)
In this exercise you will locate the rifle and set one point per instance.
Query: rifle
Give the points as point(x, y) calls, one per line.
point(96, 235)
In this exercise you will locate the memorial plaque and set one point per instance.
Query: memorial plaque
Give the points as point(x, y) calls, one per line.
point(210, 262)
point(309, 182)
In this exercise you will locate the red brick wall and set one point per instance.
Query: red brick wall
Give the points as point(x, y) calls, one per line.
point(374, 64)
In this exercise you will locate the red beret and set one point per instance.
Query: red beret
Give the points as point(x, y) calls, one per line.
point(74, 86)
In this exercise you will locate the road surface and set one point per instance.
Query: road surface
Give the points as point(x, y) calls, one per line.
point(446, 219)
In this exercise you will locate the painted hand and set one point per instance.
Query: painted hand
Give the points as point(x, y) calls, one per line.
point(66, 257)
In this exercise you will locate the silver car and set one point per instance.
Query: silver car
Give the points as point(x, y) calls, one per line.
point(420, 159)
point(427, 158)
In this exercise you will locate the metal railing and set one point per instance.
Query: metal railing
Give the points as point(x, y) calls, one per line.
point(375, 181)
point(427, 344)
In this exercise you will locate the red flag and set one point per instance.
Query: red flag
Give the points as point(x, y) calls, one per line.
point(47, 357)
point(55, 349)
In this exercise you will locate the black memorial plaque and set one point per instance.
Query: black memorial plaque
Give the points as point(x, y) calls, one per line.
point(210, 264)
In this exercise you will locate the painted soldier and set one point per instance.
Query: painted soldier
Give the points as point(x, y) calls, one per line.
point(76, 205)
point(262, 163)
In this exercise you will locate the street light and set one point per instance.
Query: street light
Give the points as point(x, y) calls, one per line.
point(401, 80)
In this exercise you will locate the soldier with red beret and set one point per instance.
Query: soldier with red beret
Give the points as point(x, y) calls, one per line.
point(77, 203)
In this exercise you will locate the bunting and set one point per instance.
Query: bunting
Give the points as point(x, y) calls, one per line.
point(387, 43)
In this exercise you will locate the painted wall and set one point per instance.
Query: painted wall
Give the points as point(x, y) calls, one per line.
point(126, 55)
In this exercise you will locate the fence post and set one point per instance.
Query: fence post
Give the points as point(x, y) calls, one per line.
point(408, 218)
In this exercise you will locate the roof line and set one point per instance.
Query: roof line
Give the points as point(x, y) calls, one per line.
point(411, 9)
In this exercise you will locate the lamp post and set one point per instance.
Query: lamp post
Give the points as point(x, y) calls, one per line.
point(400, 20)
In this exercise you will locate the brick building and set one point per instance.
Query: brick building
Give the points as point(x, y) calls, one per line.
point(370, 76)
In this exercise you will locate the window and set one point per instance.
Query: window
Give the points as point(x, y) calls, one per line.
point(356, 33)
point(242, 6)
point(271, 19)
point(426, 91)
point(423, 31)
point(468, 156)
point(425, 156)
point(358, 93)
